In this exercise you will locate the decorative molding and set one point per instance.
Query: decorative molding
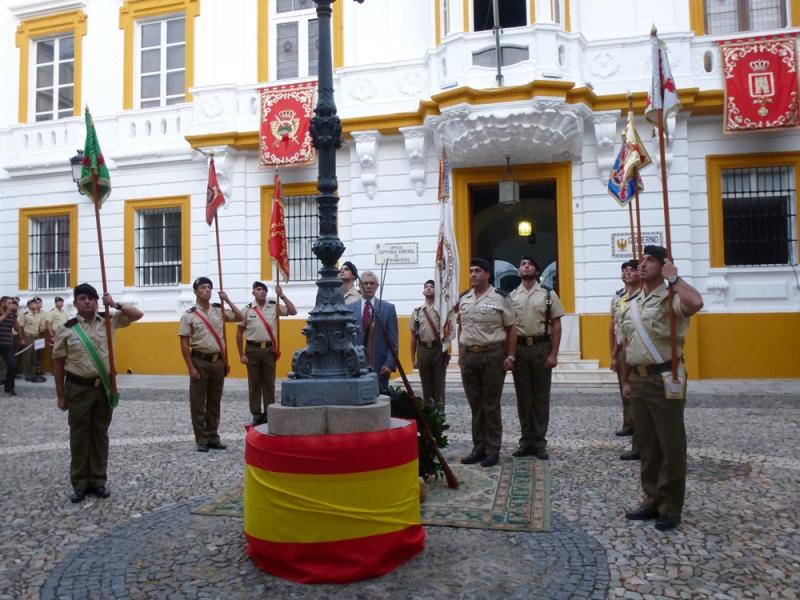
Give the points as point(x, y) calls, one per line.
point(367, 152)
point(412, 84)
point(542, 130)
point(414, 138)
point(717, 288)
point(604, 63)
point(606, 141)
point(363, 89)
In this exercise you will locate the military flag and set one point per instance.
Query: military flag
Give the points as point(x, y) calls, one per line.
point(447, 268)
point(663, 94)
point(278, 246)
point(636, 156)
point(621, 189)
point(214, 196)
point(94, 165)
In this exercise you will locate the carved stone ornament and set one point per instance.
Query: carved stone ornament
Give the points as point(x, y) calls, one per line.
point(212, 106)
point(412, 83)
point(367, 151)
point(607, 141)
point(717, 288)
point(604, 63)
point(362, 89)
point(541, 130)
point(414, 138)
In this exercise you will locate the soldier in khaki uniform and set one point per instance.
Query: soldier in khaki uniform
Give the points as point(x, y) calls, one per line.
point(53, 321)
point(80, 391)
point(348, 274)
point(657, 420)
point(202, 346)
point(33, 326)
point(427, 354)
point(259, 331)
point(487, 343)
point(631, 278)
point(538, 314)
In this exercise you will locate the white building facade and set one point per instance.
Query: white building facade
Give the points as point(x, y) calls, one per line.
point(169, 81)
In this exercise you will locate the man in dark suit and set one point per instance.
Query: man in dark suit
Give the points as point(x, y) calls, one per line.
point(369, 312)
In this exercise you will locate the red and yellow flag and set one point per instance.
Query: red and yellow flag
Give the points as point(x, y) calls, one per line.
point(278, 247)
point(332, 508)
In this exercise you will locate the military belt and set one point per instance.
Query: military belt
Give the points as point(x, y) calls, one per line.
point(488, 348)
point(429, 345)
point(646, 370)
point(259, 344)
point(532, 340)
point(209, 357)
point(84, 381)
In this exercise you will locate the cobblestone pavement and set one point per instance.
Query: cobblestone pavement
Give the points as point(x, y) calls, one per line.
point(740, 537)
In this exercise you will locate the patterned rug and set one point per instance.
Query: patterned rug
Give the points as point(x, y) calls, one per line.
point(515, 496)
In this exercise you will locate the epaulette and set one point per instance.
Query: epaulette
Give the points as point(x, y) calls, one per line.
point(71, 322)
point(636, 295)
point(249, 305)
point(270, 301)
point(503, 293)
point(620, 291)
point(464, 293)
point(216, 304)
point(191, 310)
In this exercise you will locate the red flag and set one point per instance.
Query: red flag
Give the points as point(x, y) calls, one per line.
point(278, 248)
point(214, 197)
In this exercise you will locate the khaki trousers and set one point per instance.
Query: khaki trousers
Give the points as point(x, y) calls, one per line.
point(260, 380)
point(482, 376)
point(661, 437)
point(205, 395)
point(89, 417)
point(627, 409)
point(532, 384)
point(30, 358)
point(431, 373)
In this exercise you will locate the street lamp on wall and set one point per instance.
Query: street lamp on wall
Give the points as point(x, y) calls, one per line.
point(76, 164)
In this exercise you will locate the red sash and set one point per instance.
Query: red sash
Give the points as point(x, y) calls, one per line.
point(216, 337)
point(275, 348)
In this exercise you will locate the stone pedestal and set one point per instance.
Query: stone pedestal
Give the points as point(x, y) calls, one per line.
point(320, 420)
point(353, 391)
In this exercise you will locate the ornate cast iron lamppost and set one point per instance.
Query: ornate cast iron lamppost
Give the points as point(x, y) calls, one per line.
point(331, 369)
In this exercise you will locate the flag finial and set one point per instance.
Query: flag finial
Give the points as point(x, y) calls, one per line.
point(653, 31)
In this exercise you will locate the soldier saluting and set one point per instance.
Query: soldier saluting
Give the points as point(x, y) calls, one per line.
point(205, 355)
point(83, 387)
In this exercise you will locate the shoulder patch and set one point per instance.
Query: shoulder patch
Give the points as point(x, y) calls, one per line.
point(71, 322)
point(249, 305)
point(191, 310)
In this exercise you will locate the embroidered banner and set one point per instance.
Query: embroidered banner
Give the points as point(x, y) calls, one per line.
point(286, 112)
point(760, 83)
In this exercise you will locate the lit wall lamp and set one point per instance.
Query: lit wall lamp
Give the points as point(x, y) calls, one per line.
point(524, 228)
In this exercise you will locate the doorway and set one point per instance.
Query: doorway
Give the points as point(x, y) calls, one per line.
point(496, 234)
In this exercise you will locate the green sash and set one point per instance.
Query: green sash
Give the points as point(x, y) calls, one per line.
point(105, 378)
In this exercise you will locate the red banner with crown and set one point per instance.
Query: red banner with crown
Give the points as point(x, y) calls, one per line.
point(286, 111)
point(760, 83)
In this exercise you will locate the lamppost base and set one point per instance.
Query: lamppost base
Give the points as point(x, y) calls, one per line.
point(353, 391)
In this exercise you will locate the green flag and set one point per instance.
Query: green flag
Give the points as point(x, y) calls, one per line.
point(94, 163)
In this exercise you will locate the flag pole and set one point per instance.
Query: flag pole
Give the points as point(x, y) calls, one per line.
point(668, 238)
point(107, 316)
point(634, 239)
point(636, 234)
point(221, 288)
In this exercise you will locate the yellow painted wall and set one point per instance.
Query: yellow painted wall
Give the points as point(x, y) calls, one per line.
point(154, 348)
point(721, 346)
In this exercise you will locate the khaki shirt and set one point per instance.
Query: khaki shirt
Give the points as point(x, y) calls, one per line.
point(530, 307)
point(32, 323)
point(56, 318)
point(618, 303)
point(254, 330)
point(68, 345)
point(352, 295)
point(200, 338)
point(654, 314)
point(484, 319)
point(419, 324)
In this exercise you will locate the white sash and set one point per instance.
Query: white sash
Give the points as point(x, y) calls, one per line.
point(637, 320)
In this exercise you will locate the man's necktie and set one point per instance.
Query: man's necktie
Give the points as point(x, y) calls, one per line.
point(366, 320)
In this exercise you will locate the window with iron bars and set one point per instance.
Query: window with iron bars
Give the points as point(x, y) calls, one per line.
point(730, 16)
point(302, 228)
point(48, 243)
point(158, 246)
point(759, 224)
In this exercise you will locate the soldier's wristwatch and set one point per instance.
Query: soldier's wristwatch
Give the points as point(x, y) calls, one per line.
point(672, 280)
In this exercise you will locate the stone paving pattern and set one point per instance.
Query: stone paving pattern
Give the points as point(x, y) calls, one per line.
point(740, 537)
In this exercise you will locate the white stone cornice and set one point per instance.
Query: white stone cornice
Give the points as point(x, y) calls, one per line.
point(540, 130)
point(26, 9)
point(606, 141)
point(367, 152)
point(414, 138)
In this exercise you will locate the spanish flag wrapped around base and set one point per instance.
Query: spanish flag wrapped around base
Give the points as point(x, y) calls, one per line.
point(333, 508)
